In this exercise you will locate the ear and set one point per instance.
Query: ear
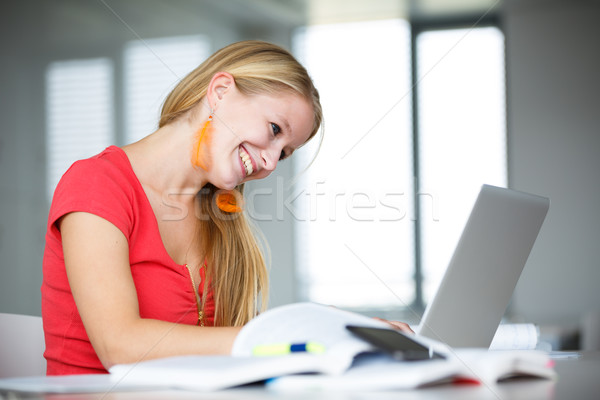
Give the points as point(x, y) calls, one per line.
point(220, 84)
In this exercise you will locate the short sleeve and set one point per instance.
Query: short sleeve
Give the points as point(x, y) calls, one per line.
point(96, 186)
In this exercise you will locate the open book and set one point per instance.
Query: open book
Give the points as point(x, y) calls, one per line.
point(342, 360)
point(291, 324)
point(378, 372)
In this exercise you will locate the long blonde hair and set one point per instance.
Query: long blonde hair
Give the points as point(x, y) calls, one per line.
point(236, 268)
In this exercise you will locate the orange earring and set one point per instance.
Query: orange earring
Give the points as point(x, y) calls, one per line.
point(230, 201)
point(201, 155)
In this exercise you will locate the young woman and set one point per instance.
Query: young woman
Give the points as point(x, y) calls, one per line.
point(147, 254)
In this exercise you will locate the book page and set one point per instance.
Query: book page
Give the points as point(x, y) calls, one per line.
point(207, 373)
point(307, 322)
point(515, 337)
point(377, 372)
point(94, 383)
point(372, 372)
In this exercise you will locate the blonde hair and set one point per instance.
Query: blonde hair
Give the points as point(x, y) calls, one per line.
point(236, 268)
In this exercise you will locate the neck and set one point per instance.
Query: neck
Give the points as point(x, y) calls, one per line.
point(162, 162)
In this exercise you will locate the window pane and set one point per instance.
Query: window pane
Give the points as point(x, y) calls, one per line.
point(152, 68)
point(462, 134)
point(79, 121)
point(354, 237)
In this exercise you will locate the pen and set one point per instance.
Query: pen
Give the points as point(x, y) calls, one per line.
point(279, 349)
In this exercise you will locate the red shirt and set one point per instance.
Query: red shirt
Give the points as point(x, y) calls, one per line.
point(105, 185)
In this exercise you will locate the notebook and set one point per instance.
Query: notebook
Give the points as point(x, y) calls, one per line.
point(485, 267)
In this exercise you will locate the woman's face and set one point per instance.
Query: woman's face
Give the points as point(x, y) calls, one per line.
point(251, 134)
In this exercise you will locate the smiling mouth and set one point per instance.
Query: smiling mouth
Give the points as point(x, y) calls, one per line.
point(246, 161)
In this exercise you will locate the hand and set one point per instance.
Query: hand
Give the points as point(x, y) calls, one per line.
point(401, 326)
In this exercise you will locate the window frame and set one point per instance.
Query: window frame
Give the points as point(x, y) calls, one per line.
point(419, 26)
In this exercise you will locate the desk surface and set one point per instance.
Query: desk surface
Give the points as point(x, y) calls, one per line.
point(578, 378)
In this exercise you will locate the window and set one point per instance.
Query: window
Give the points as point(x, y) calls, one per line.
point(152, 68)
point(354, 225)
point(80, 99)
point(79, 104)
point(462, 135)
point(357, 221)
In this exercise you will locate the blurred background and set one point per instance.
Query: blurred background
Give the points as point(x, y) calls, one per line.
point(424, 101)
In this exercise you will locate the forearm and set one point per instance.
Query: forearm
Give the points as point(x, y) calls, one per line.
point(145, 339)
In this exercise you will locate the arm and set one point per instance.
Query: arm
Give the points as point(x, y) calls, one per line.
point(97, 263)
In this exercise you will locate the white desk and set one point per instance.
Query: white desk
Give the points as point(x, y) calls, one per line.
point(577, 379)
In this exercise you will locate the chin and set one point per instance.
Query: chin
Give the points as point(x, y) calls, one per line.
point(227, 185)
point(226, 180)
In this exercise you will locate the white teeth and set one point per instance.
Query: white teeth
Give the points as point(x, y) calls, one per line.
point(248, 165)
point(246, 161)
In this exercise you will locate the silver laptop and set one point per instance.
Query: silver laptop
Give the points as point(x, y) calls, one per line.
point(483, 272)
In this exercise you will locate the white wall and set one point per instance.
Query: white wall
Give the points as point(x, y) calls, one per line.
point(22, 163)
point(553, 62)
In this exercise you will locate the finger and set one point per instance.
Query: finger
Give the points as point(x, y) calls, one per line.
point(401, 326)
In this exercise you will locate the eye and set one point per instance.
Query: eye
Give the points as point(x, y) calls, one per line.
point(275, 128)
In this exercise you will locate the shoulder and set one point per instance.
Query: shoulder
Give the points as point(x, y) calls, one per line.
point(108, 170)
point(111, 164)
point(104, 185)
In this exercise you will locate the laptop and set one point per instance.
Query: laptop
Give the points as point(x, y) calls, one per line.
point(485, 267)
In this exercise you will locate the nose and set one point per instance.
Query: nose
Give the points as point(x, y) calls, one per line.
point(270, 157)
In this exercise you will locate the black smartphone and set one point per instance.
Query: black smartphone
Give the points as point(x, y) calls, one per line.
point(401, 346)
